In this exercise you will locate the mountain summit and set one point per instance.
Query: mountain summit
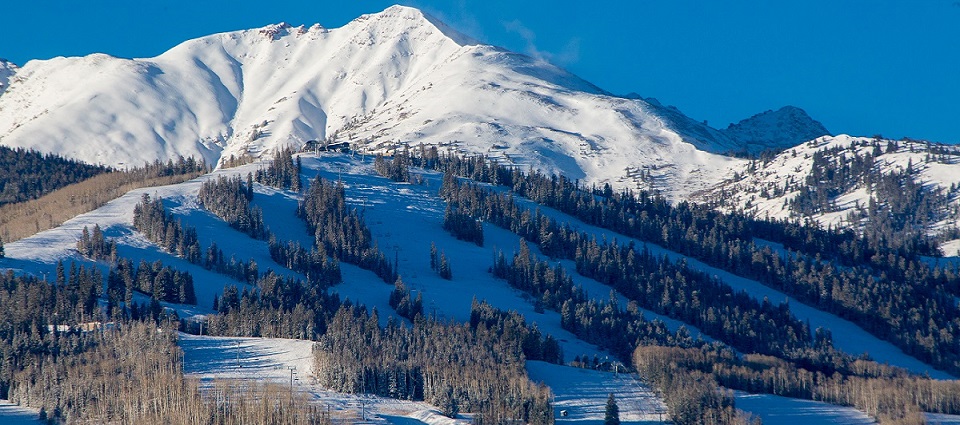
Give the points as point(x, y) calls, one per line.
point(776, 130)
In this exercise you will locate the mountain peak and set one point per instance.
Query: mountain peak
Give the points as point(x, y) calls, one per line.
point(410, 17)
point(775, 130)
point(405, 11)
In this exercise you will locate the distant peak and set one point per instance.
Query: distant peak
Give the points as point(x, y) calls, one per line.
point(786, 111)
point(775, 130)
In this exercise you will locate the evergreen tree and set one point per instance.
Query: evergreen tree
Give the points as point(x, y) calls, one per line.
point(1, 248)
point(611, 414)
point(443, 268)
point(61, 274)
point(295, 184)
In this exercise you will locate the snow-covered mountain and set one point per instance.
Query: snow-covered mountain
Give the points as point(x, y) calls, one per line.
point(775, 130)
point(398, 76)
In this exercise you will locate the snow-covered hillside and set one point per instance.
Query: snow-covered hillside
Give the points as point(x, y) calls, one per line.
point(771, 188)
point(419, 208)
point(395, 76)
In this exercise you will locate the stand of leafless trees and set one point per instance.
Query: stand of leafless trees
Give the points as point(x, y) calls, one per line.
point(23, 219)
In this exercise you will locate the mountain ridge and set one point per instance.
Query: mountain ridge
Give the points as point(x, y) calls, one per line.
point(384, 80)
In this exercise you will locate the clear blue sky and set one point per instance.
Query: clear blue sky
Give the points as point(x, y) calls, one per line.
point(859, 66)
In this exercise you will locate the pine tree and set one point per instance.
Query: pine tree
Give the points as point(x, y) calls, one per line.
point(2, 254)
point(611, 414)
point(444, 267)
point(61, 274)
point(128, 297)
point(296, 176)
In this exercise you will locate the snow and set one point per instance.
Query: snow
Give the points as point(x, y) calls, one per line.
point(747, 194)
point(776, 410)
point(951, 248)
point(12, 414)
point(264, 360)
point(39, 254)
point(583, 393)
point(941, 419)
point(259, 358)
point(398, 76)
point(420, 210)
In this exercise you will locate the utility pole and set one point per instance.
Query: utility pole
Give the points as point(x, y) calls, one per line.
point(293, 370)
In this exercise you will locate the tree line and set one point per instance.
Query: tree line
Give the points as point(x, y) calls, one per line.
point(156, 224)
point(63, 359)
point(283, 172)
point(810, 369)
point(230, 199)
point(26, 218)
point(458, 368)
point(900, 207)
point(159, 281)
point(342, 232)
point(883, 392)
point(29, 174)
point(892, 294)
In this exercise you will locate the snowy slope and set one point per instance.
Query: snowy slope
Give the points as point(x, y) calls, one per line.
point(775, 130)
point(264, 360)
point(12, 414)
point(776, 410)
point(583, 394)
point(386, 205)
point(398, 75)
point(766, 190)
